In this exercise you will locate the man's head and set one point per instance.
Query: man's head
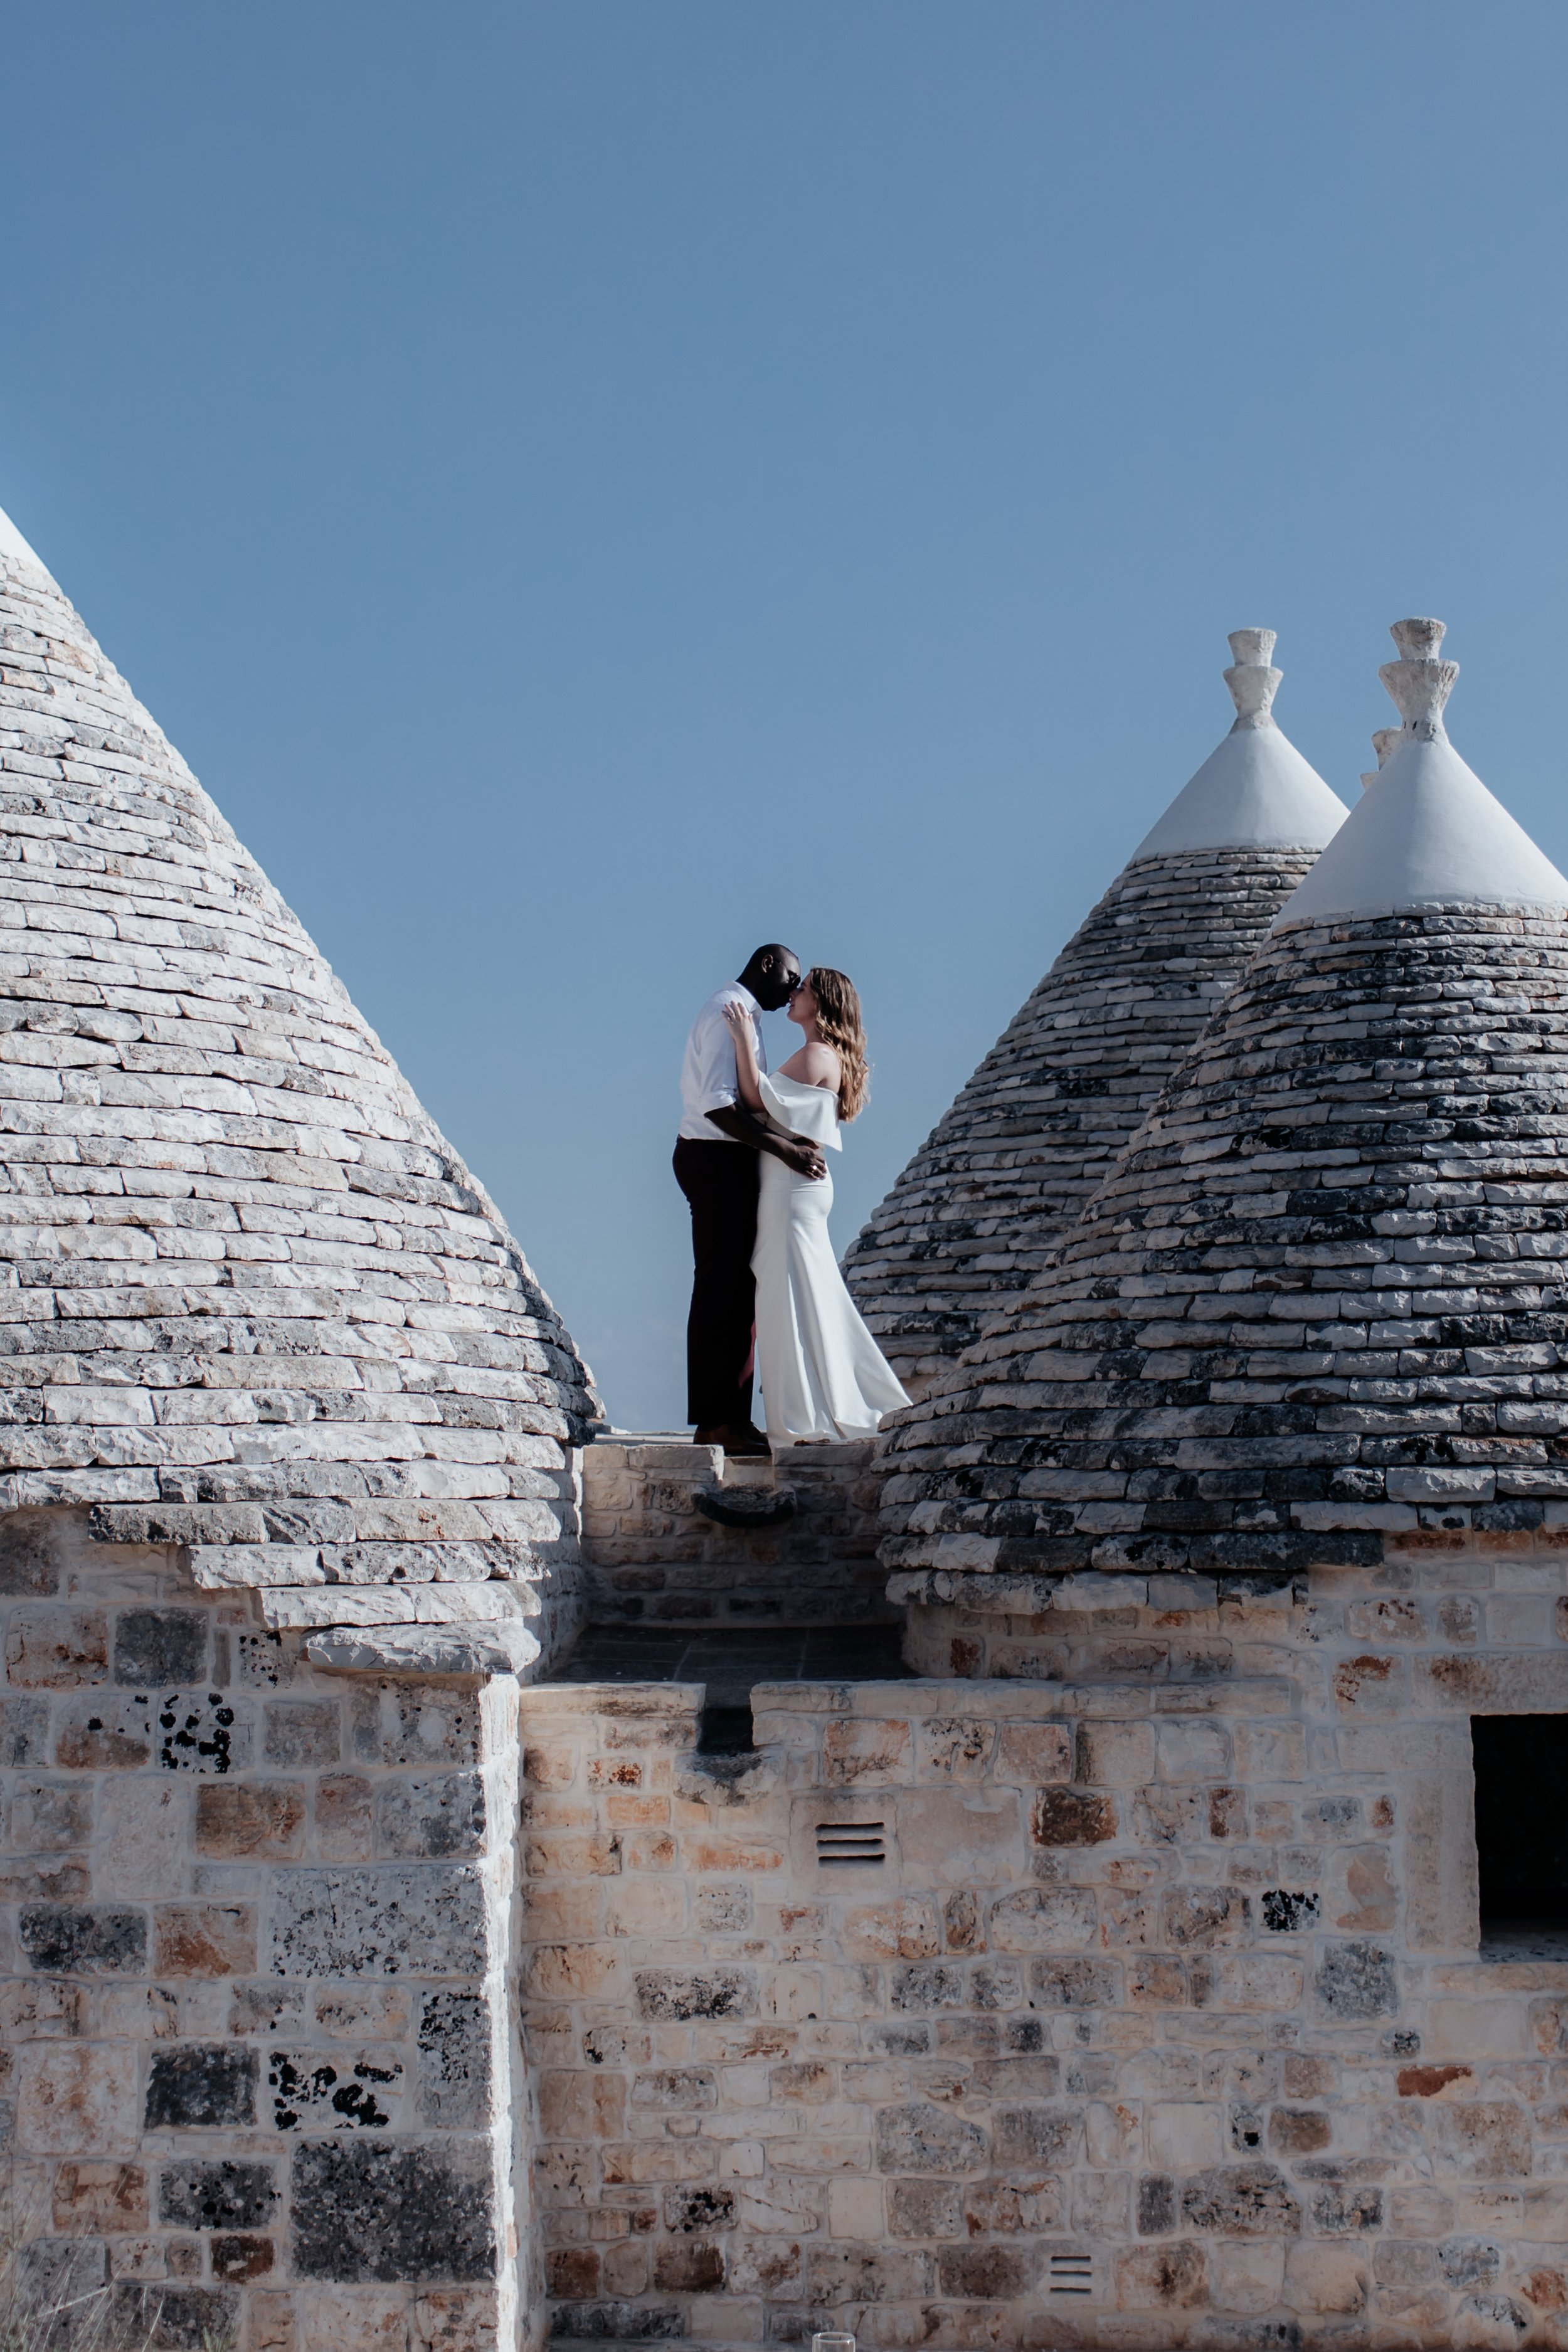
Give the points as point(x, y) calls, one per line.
point(772, 976)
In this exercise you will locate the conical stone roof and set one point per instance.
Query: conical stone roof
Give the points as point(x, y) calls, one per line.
point(978, 1210)
point(1324, 1292)
point(250, 1298)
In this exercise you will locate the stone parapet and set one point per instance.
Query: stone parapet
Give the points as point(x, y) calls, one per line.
point(674, 1532)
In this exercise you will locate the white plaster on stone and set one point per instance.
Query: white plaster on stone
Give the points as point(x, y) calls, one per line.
point(1427, 833)
point(12, 544)
point(1254, 790)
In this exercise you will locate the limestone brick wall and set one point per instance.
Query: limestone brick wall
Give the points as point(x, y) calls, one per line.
point(656, 1554)
point(1162, 2022)
point(259, 2077)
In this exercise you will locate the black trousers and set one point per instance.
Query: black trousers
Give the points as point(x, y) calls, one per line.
point(720, 1181)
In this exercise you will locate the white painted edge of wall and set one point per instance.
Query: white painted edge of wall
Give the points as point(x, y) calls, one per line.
point(1425, 834)
point(1254, 790)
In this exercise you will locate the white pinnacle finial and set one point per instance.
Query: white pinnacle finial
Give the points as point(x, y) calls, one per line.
point(1419, 682)
point(1382, 742)
point(1253, 684)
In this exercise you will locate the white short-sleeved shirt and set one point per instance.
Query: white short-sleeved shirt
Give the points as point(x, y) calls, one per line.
point(708, 1078)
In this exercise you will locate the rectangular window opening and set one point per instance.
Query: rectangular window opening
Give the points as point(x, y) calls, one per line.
point(1522, 1833)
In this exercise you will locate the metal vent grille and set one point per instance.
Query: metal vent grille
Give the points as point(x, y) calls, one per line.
point(840, 1841)
point(1071, 2274)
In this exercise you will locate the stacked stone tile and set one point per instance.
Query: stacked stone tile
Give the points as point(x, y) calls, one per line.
point(977, 1211)
point(253, 1303)
point(1322, 1299)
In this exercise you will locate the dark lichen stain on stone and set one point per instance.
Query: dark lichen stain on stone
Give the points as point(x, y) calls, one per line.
point(82, 1940)
point(371, 2210)
point(295, 2091)
point(1285, 1913)
point(196, 2194)
point(165, 1646)
point(1241, 2201)
point(612, 2322)
point(182, 1741)
point(203, 2083)
point(455, 2059)
point(1356, 1980)
point(691, 2210)
point(679, 1994)
point(173, 2318)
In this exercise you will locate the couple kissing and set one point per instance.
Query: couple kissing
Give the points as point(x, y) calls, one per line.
point(767, 1298)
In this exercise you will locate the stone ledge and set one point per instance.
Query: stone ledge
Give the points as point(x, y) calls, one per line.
point(507, 1648)
point(286, 1608)
point(616, 1698)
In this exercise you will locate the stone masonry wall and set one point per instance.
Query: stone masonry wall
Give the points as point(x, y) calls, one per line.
point(257, 2069)
point(654, 1554)
point(1161, 2022)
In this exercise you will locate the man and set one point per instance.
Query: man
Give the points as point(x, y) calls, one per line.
point(715, 1168)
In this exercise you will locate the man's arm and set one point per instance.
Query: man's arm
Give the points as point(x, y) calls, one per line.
point(793, 1150)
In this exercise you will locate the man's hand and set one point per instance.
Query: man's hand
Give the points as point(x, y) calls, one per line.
point(796, 1151)
point(804, 1157)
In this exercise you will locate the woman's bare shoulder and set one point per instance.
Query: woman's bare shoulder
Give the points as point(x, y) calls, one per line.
point(815, 1066)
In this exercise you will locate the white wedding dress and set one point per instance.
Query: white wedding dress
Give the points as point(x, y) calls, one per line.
point(821, 1373)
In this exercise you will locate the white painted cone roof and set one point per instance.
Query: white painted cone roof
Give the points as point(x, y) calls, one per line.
point(1254, 790)
point(12, 544)
point(1426, 831)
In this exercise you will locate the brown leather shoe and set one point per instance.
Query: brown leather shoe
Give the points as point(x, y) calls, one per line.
point(747, 1444)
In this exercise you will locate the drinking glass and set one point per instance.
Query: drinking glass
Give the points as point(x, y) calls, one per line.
point(831, 2341)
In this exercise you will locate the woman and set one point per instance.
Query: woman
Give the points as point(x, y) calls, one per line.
point(823, 1375)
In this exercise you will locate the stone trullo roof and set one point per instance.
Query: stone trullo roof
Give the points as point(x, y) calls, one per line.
point(1324, 1290)
point(978, 1210)
point(251, 1299)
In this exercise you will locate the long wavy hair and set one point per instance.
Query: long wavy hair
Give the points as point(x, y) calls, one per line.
point(838, 1024)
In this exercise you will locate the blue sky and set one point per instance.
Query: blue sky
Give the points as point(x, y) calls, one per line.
point(591, 487)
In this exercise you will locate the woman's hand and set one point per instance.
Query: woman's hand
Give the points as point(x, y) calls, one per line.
point(739, 1025)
